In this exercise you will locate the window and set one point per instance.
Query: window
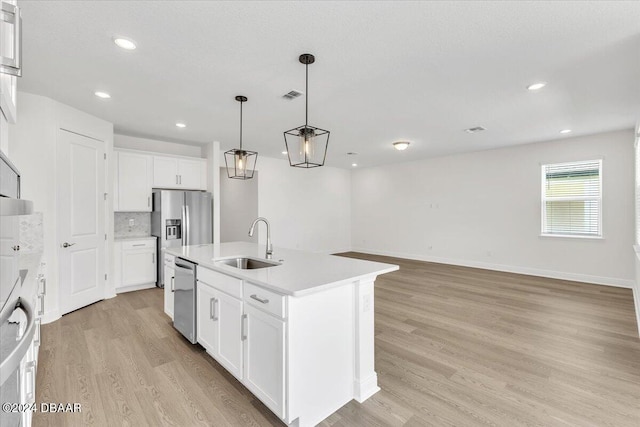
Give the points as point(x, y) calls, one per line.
point(572, 199)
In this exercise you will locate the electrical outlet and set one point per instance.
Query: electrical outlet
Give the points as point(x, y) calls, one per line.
point(132, 222)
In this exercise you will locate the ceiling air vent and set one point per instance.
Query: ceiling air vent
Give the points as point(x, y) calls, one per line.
point(475, 129)
point(292, 95)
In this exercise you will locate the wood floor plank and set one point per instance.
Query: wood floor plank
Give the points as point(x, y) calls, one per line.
point(455, 346)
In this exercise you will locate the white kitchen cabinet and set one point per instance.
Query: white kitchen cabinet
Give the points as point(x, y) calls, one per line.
point(133, 181)
point(264, 367)
point(135, 264)
point(169, 283)
point(219, 327)
point(179, 172)
point(8, 82)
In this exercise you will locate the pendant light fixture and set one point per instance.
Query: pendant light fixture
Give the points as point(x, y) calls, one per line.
point(241, 164)
point(306, 145)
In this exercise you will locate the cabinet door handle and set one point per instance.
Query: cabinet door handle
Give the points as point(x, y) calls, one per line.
point(36, 339)
point(138, 244)
point(43, 281)
point(257, 298)
point(148, 201)
point(212, 309)
point(176, 179)
point(243, 333)
point(173, 289)
point(180, 179)
point(41, 301)
point(153, 258)
point(30, 381)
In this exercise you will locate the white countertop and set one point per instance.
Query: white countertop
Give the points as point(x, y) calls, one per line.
point(300, 273)
point(126, 239)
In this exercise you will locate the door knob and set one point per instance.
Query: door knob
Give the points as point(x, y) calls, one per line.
point(66, 245)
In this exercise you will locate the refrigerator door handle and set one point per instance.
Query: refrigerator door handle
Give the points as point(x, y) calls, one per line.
point(183, 225)
point(186, 209)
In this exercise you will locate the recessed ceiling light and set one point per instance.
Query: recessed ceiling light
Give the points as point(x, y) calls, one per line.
point(103, 95)
point(475, 129)
point(354, 164)
point(284, 152)
point(401, 145)
point(536, 86)
point(565, 131)
point(124, 43)
point(181, 125)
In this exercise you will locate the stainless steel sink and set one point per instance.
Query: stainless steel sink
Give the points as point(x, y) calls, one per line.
point(248, 263)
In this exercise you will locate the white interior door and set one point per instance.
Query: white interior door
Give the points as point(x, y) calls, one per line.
point(81, 220)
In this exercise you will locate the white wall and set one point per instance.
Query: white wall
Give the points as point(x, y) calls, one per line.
point(483, 209)
point(33, 151)
point(309, 209)
point(238, 207)
point(146, 144)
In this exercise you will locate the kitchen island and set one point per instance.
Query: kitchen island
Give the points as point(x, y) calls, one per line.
point(298, 332)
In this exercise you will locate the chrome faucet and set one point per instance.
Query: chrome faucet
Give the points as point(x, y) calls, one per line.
point(269, 253)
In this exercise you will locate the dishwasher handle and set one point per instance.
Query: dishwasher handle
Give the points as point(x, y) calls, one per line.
point(185, 266)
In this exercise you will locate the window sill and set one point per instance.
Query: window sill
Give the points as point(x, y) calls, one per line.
point(573, 236)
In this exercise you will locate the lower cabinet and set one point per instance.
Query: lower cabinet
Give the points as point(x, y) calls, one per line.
point(264, 358)
point(220, 327)
point(135, 264)
point(246, 338)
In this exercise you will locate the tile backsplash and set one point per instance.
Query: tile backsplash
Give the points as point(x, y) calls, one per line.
point(141, 227)
point(31, 233)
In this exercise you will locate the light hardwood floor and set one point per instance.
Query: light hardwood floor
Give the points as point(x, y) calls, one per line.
point(455, 346)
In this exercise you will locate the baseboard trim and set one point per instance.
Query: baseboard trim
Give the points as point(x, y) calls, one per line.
point(574, 277)
point(50, 316)
point(362, 390)
point(135, 288)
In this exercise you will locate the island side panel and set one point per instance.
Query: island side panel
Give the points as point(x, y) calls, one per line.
point(365, 382)
point(321, 354)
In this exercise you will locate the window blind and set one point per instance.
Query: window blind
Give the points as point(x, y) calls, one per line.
point(572, 198)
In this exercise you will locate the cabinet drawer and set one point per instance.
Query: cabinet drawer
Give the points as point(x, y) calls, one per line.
point(265, 300)
point(138, 244)
point(220, 281)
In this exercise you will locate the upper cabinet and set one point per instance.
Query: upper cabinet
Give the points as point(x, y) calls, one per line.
point(133, 182)
point(10, 57)
point(179, 172)
point(136, 173)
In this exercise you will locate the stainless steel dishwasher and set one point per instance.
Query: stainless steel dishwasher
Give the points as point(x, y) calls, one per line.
point(184, 301)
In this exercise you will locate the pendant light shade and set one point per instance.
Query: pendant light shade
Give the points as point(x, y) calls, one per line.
point(241, 163)
point(306, 145)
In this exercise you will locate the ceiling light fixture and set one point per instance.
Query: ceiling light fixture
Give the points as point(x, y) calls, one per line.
point(401, 145)
point(284, 152)
point(563, 131)
point(181, 125)
point(306, 145)
point(536, 86)
point(125, 44)
point(475, 129)
point(354, 164)
point(241, 164)
point(103, 95)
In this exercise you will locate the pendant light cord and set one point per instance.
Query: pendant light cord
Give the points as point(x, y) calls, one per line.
point(241, 125)
point(306, 97)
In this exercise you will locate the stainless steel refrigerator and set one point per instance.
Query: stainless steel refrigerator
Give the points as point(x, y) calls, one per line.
point(180, 218)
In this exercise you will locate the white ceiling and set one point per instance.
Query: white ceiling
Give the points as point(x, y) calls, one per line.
point(422, 71)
